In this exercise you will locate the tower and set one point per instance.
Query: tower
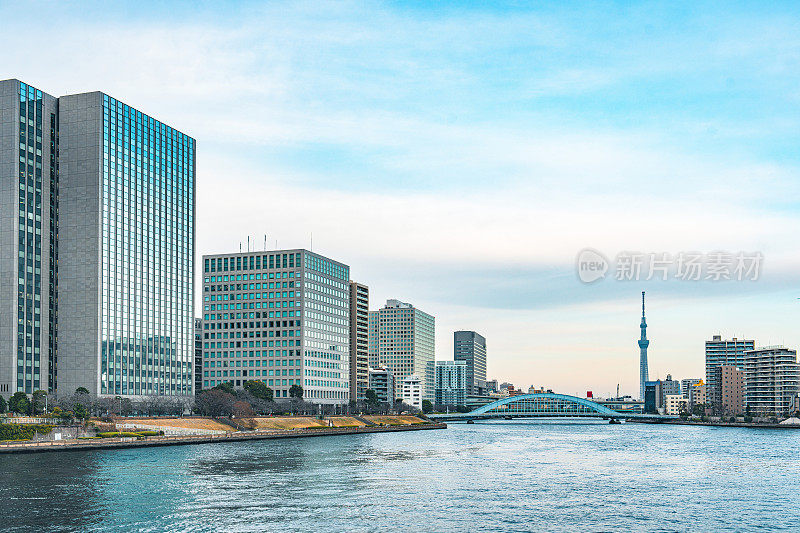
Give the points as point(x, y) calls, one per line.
point(643, 344)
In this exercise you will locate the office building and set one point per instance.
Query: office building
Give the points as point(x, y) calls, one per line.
point(381, 381)
point(359, 340)
point(96, 247)
point(470, 347)
point(452, 383)
point(724, 352)
point(729, 393)
point(281, 317)
point(402, 340)
point(411, 391)
point(687, 384)
point(198, 355)
point(772, 380)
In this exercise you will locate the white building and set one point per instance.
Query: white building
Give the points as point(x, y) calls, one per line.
point(675, 404)
point(411, 391)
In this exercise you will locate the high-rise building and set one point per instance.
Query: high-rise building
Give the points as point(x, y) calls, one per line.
point(643, 344)
point(381, 381)
point(402, 340)
point(452, 383)
point(687, 384)
point(281, 317)
point(359, 340)
point(373, 338)
point(198, 355)
point(29, 176)
point(411, 388)
point(729, 393)
point(772, 380)
point(724, 352)
point(470, 347)
point(100, 196)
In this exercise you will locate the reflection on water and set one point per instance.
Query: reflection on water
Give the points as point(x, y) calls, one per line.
point(503, 476)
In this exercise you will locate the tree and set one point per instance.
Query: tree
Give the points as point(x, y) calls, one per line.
point(259, 389)
point(38, 402)
point(82, 390)
point(372, 398)
point(427, 406)
point(3, 405)
point(296, 391)
point(226, 386)
point(19, 403)
point(243, 409)
point(214, 402)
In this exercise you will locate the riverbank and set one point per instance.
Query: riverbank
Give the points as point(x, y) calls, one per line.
point(760, 425)
point(237, 436)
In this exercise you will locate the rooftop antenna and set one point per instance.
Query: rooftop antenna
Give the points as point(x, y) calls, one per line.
point(240, 246)
point(265, 242)
point(248, 244)
point(312, 241)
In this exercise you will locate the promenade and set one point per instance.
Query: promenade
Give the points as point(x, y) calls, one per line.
point(232, 436)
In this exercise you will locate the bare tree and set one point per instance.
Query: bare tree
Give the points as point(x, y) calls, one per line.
point(214, 403)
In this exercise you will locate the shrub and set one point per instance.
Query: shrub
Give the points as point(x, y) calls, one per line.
point(748, 419)
point(22, 431)
point(150, 433)
point(116, 434)
point(732, 419)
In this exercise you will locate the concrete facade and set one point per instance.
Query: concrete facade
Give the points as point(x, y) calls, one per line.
point(359, 340)
point(772, 380)
point(381, 381)
point(28, 231)
point(724, 352)
point(729, 393)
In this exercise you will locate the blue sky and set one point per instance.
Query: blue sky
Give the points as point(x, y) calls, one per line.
point(460, 155)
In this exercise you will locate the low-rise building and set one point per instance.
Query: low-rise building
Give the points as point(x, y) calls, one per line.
point(675, 404)
point(411, 391)
point(687, 384)
point(381, 380)
point(697, 395)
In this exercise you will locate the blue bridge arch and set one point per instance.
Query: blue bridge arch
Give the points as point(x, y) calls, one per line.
point(543, 404)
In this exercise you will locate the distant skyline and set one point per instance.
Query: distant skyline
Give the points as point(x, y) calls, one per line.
point(478, 149)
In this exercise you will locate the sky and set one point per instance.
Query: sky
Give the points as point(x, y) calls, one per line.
point(460, 156)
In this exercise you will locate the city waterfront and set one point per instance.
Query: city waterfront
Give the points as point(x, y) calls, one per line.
point(498, 475)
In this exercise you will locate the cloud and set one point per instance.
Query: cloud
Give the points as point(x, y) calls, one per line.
point(459, 156)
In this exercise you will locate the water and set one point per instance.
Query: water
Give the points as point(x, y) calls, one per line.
point(493, 476)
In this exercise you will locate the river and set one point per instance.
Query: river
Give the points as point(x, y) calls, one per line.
point(490, 476)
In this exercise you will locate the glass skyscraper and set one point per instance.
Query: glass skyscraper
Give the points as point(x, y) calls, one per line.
point(109, 210)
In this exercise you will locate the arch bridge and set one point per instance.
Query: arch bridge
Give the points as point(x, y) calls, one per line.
point(545, 405)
